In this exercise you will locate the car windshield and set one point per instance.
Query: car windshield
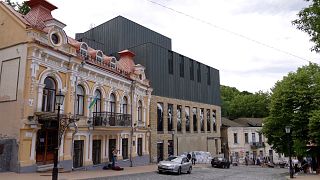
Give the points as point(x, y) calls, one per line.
point(177, 160)
point(171, 157)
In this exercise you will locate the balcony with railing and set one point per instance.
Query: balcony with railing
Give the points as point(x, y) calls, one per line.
point(110, 119)
point(256, 145)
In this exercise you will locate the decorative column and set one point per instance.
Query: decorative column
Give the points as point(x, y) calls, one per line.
point(198, 120)
point(165, 118)
point(174, 118)
point(183, 119)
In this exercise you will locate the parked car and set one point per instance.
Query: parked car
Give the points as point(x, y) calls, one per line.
point(177, 165)
point(220, 162)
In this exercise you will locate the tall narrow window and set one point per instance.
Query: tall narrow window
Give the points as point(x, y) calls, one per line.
point(160, 116)
point(80, 100)
point(235, 138)
point(187, 112)
point(195, 121)
point(260, 137)
point(170, 62)
point(179, 123)
point(125, 148)
point(170, 117)
point(139, 150)
point(112, 103)
point(99, 57)
point(253, 137)
point(139, 111)
point(84, 50)
point(97, 106)
point(199, 72)
point(202, 119)
point(181, 66)
point(49, 93)
point(191, 70)
point(125, 105)
point(208, 76)
point(214, 120)
point(208, 120)
point(246, 138)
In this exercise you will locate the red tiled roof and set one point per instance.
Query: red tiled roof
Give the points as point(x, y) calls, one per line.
point(44, 3)
point(126, 60)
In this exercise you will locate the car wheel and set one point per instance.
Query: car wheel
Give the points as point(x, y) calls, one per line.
point(190, 169)
point(160, 172)
point(179, 171)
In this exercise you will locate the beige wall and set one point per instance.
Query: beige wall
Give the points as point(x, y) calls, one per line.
point(11, 111)
point(12, 31)
point(184, 141)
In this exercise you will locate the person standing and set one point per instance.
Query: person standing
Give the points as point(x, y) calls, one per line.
point(193, 158)
point(114, 156)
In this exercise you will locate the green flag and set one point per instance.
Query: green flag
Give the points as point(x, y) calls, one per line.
point(94, 101)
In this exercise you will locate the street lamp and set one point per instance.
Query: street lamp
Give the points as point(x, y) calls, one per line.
point(59, 102)
point(288, 131)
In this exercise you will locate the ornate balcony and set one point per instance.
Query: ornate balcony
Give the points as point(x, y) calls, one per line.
point(256, 145)
point(110, 119)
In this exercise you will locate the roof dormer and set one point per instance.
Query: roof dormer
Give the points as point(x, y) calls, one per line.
point(84, 50)
point(99, 56)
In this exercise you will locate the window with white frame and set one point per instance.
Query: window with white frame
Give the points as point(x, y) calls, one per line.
point(113, 63)
point(80, 100)
point(99, 57)
point(139, 111)
point(84, 50)
point(48, 96)
point(125, 105)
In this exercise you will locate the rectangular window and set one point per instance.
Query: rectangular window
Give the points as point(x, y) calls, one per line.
point(170, 117)
point(195, 123)
point(187, 113)
point(179, 123)
point(246, 138)
point(254, 137)
point(125, 148)
point(208, 120)
point(9, 78)
point(260, 138)
point(160, 116)
point(208, 76)
point(139, 147)
point(199, 72)
point(191, 70)
point(170, 148)
point(170, 62)
point(235, 138)
point(181, 66)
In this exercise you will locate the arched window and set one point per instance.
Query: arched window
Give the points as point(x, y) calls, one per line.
point(80, 100)
point(112, 103)
point(113, 62)
point(139, 111)
point(125, 105)
point(84, 50)
point(99, 57)
point(97, 106)
point(48, 97)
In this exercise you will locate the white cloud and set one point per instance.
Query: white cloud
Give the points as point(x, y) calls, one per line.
point(242, 63)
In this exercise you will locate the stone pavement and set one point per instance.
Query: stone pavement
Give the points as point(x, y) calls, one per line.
point(305, 177)
point(79, 174)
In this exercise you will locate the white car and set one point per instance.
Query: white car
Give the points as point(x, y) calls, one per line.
point(177, 165)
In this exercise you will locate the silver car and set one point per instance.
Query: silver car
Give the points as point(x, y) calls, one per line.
point(177, 165)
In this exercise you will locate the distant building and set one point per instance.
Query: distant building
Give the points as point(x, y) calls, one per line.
point(110, 97)
point(242, 138)
point(185, 111)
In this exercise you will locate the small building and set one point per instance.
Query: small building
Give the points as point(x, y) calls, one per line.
point(106, 100)
point(243, 138)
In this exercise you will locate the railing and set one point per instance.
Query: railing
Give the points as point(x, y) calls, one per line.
point(255, 145)
point(111, 119)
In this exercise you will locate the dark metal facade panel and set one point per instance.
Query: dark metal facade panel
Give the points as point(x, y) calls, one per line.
point(155, 59)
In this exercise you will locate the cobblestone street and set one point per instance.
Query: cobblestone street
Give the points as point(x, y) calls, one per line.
point(234, 173)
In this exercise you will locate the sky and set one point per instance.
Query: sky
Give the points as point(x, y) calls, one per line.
point(233, 36)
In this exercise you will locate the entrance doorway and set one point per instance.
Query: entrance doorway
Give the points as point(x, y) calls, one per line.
point(160, 151)
point(96, 151)
point(47, 141)
point(112, 144)
point(78, 153)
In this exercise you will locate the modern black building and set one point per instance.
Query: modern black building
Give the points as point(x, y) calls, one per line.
point(172, 75)
point(185, 113)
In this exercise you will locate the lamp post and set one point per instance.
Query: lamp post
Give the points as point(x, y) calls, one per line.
point(288, 131)
point(59, 102)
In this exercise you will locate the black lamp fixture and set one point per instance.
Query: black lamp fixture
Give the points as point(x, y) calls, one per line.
point(288, 131)
point(59, 101)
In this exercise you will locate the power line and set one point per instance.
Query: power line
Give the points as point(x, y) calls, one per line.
point(231, 32)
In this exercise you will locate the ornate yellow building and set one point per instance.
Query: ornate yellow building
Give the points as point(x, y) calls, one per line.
point(110, 98)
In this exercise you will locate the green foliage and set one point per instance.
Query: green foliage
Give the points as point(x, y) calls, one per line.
point(294, 102)
point(314, 125)
point(309, 22)
point(237, 104)
point(22, 8)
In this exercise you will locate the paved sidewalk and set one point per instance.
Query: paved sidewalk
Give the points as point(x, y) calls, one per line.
point(305, 177)
point(79, 174)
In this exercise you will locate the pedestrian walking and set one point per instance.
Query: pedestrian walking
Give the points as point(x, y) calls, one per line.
point(189, 156)
point(114, 156)
point(246, 160)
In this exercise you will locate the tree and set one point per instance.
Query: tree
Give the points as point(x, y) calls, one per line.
point(237, 104)
point(22, 8)
point(295, 101)
point(309, 22)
